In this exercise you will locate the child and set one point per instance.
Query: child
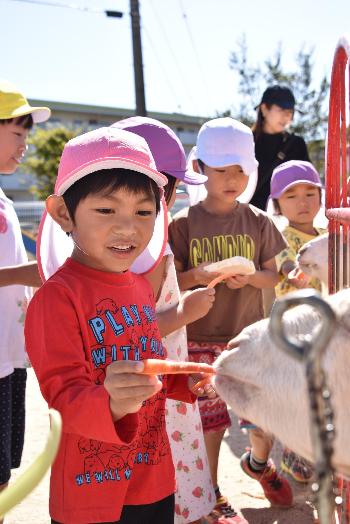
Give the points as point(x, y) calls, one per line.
point(218, 228)
point(87, 329)
point(183, 424)
point(16, 119)
point(296, 194)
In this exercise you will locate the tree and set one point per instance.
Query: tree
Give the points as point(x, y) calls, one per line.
point(46, 146)
point(311, 111)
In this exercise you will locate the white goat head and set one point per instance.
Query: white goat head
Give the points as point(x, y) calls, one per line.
point(264, 385)
point(313, 258)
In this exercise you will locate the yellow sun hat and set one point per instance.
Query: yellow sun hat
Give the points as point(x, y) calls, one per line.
point(13, 104)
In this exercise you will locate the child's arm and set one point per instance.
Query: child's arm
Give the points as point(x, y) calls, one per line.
point(192, 306)
point(266, 277)
point(24, 274)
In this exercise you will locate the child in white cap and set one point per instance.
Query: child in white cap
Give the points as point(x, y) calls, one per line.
point(16, 120)
point(217, 228)
point(183, 422)
point(88, 329)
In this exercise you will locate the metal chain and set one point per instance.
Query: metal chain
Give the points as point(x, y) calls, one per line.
point(322, 416)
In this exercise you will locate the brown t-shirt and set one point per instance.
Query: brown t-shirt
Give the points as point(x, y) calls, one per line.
point(197, 236)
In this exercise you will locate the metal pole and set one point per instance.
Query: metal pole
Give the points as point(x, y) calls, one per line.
point(137, 54)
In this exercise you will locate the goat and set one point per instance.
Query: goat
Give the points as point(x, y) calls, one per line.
point(266, 386)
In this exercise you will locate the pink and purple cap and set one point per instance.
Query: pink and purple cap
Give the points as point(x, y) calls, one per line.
point(103, 148)
point(291, 173)
point(167, 150)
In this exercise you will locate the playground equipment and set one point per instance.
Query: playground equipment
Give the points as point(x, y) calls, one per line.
point(337, 196)
point(16, 492)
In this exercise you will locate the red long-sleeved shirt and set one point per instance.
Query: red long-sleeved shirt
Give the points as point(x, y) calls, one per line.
point(78, 322)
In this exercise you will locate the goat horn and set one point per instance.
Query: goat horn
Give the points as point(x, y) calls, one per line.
point(342, 214)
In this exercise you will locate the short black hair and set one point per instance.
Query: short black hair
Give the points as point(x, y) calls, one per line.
point(169, 188)
point(25, 121)
point(201, 164)
point(108, 180)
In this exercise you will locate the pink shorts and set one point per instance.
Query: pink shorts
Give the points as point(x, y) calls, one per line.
point(213, 411)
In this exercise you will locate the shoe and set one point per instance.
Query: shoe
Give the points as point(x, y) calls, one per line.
point(223, 513)
point(276, 488)
point(298, 468)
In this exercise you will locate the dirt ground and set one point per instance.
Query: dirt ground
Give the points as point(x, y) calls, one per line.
point(244, 493)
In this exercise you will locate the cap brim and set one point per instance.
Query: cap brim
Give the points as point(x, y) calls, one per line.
point(189, 177)
point(39, 114)
point(109, 163)
point(53, 246)
point(230, 160)
point(295, 183)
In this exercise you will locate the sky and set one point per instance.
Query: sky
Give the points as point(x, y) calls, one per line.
point(70, 55)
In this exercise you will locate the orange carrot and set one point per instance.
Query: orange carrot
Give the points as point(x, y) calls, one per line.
point(218, 279)
point(153, 366)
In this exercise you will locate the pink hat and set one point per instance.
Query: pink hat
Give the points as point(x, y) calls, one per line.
point(104, 148)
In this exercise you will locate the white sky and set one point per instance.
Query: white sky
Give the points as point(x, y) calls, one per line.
point(70, 55)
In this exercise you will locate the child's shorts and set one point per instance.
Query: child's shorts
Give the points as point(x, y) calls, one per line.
point(161, 512)
point(213, 411)
point(12, 421)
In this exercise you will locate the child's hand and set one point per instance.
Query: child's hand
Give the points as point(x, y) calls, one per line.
point(202, 385)
point(197, 303)
point(237, 281)
point(201, 276)
point(128, 388)
point(298, 279)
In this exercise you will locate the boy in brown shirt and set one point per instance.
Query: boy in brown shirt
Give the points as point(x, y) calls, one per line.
point(217, 228)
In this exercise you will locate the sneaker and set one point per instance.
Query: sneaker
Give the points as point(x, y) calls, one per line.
point(223, 513)
point(276, 488)
point(298, 468)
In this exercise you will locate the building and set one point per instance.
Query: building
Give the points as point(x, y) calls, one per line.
point(86, 117)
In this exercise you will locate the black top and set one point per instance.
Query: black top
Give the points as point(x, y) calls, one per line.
point(267, 147)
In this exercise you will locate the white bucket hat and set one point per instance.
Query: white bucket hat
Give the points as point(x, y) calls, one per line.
point(223, 142)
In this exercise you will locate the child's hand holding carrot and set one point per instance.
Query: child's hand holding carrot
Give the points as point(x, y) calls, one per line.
point(202, 277)
point(237, 281)
point(298, 279)
point(128, 387)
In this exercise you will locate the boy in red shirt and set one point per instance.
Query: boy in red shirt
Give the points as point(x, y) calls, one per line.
point(89, 327)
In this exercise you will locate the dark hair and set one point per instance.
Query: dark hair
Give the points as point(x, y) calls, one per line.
point(108, 180)
point(201, 164)
point(277, 208)
point(169, 188)
point(25, 121)
point(258, 126)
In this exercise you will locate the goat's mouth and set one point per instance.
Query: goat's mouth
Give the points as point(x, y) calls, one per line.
point(306, 267)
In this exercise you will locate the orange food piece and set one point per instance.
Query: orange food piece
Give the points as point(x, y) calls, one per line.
point(153, 366)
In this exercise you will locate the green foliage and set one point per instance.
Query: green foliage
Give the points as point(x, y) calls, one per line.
point(310, 119)
point(46, 146)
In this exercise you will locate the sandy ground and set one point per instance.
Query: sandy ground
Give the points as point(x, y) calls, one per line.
point(244, 493)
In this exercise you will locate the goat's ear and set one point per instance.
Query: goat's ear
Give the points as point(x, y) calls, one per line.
point(57, 209)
